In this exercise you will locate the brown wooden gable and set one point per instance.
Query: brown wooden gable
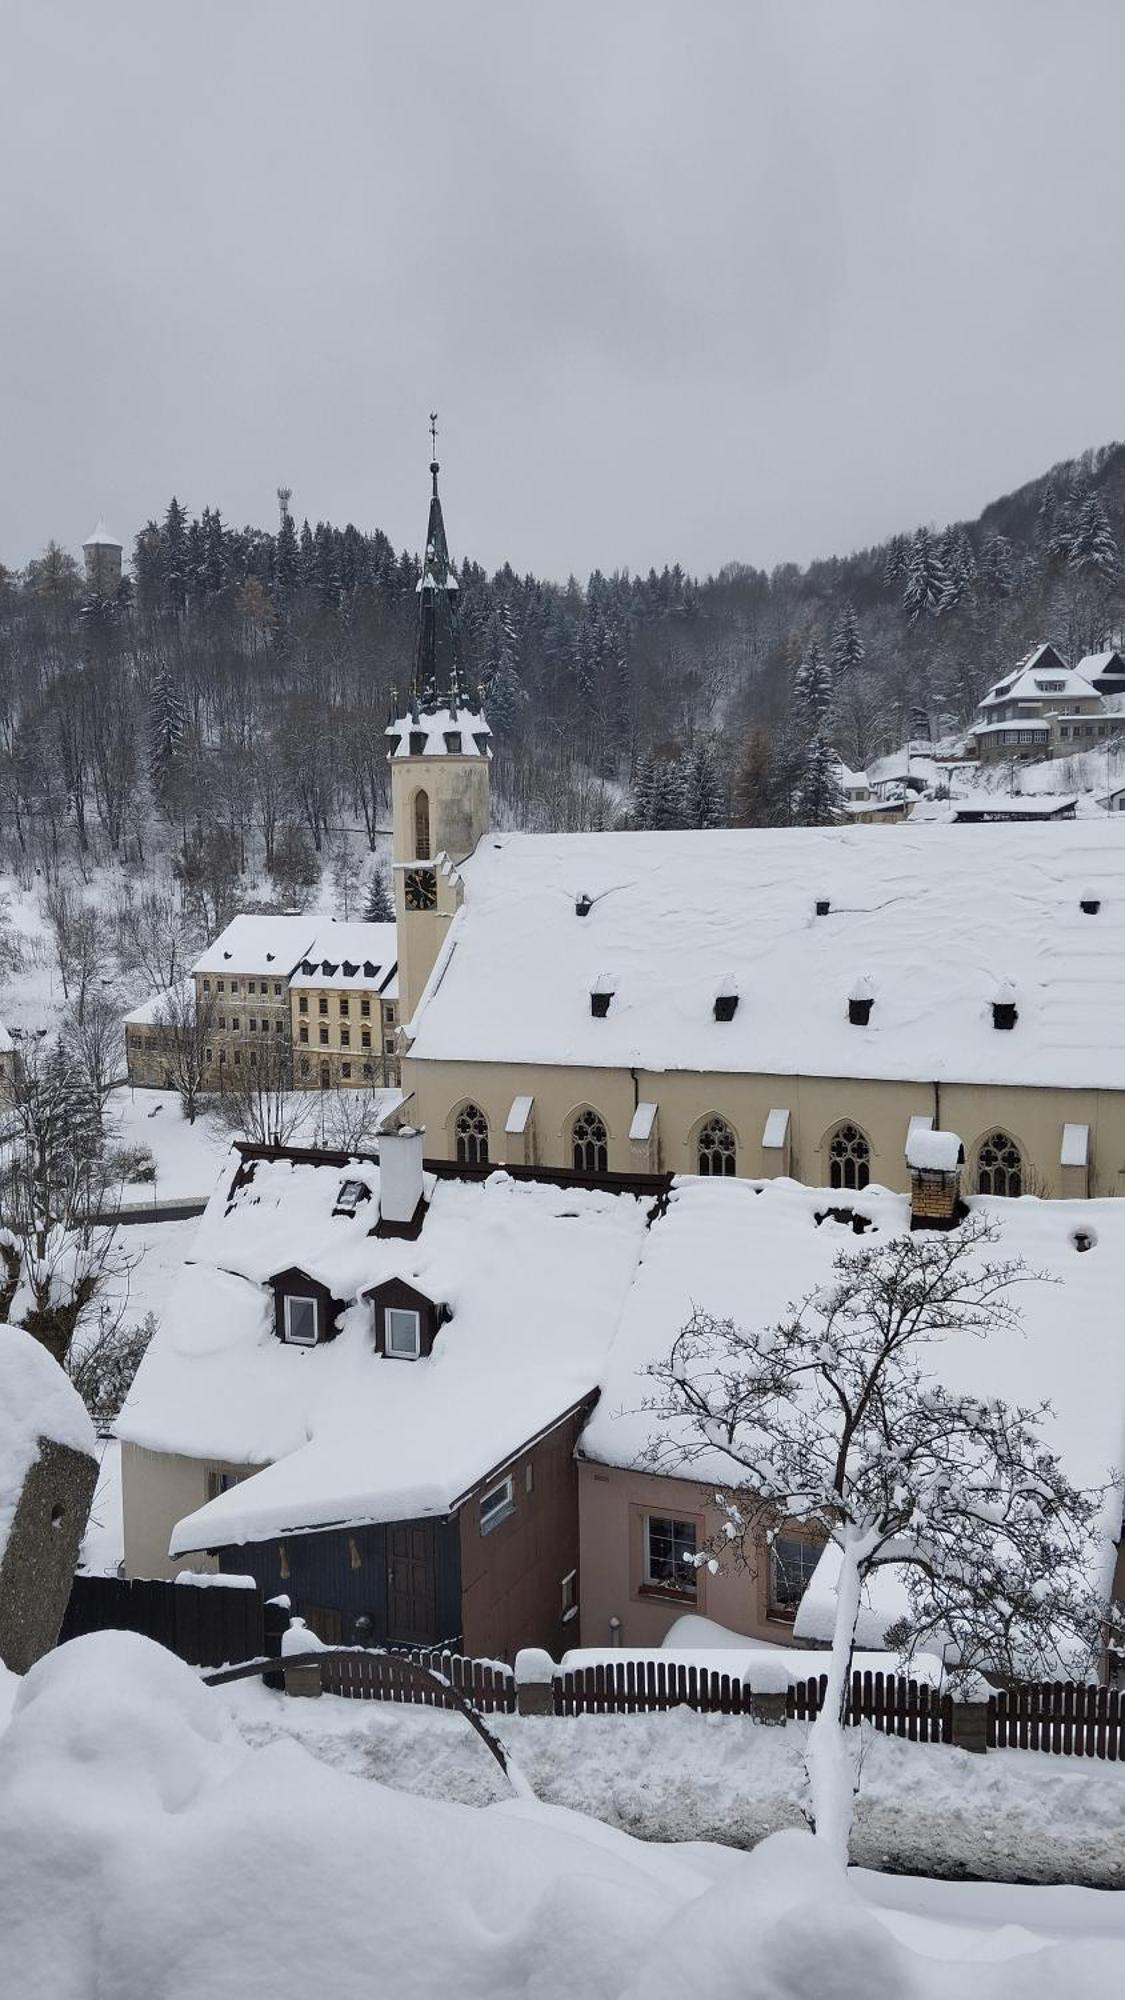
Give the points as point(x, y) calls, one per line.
point(432, 1313)
point(295, 1283)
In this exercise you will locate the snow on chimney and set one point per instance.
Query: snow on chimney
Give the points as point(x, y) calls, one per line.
point(935, 1160)
point(401, 1193)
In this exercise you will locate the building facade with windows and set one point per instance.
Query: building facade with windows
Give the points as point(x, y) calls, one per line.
point(305, 996)
point(343, 999)
point(749, 1003)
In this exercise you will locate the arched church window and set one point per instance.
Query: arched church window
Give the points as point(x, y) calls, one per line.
point(471, 1132)
point(716, 1147)
point(999, 1166)
point(590, 1144)
point(421, 826)
point(849, 1158)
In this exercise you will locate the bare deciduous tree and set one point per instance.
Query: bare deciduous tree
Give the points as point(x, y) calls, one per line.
point(830, 1419)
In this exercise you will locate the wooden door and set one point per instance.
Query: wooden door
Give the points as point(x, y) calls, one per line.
point(411, 1584)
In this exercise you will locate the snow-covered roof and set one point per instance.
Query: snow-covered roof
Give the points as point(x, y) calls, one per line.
point(440, 734)
point(1092, 666)
point(1039, 679)
point(37, 1403)
point(1023, 722)
point(533, 1276)
point(346, 956)
point(153, 1011)
point(102, 539)
point(260, 944)
point(934, 915)
point(746, 1250)
point(1050, 805)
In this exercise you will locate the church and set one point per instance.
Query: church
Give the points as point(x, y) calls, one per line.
point(614, 1008)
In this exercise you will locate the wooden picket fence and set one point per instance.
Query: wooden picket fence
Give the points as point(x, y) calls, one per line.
point(892, 1703)
point(1065, 1718)
point(487, 1684)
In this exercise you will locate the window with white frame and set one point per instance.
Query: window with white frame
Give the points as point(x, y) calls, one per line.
point(792, 1563)
point(669, 1554)
point(496, 1504)
point(403, 1333)
point(301, 1321)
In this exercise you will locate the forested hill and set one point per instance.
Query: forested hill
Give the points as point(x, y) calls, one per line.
point(246, 674)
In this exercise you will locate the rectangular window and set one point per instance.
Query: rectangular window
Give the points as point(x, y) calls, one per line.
point(365, 1009)
point(207, 986)
point(403, 1333)
point(276, 987)
point(234, 986)
point(792, 1563)
point(389, 1046)
point(570, 1596)
point(238, 1058)
point(253, 1024)
point(303, 1032)
point(234, 1020)
point(279, 1027)
point(322, 1004)
point(220, 985)
point(345, 1038)
point(343, 1003)
point(303, 1004)
point(496, 1505)
point(222, 1020)
point(251, 986)
point(208, 1055)
point(345, 1071)
point(670, 1549)
point(365, 1037)
point(300, 1322)
point(324, 1038)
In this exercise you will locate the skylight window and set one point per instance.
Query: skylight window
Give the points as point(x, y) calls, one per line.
point(351, 1194)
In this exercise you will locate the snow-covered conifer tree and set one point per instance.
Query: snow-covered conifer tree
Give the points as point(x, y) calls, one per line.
point(926, 587)
point(846, 650)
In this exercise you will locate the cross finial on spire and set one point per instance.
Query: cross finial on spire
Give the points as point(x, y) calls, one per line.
point(433, 448)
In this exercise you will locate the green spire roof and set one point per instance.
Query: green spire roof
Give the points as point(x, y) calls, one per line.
point(437, 671)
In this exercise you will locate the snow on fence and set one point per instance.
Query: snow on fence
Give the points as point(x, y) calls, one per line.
point(204, 1626)
point(891, 1702)
point(365, 1676)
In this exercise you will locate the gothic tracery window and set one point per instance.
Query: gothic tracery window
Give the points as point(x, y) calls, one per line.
point(849, 1158)
point(999, 1166)
point(421, 826)
point(717, 1149)
point(590, 1144)
point(471, 1132)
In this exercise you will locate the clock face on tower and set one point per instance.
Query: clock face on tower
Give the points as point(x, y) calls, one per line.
point(421, 889)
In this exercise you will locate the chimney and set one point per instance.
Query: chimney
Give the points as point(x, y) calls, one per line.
point(935, 1160)
point(402, 1200)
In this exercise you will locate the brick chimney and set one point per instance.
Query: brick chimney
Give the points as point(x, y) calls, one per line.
point(935, 1160)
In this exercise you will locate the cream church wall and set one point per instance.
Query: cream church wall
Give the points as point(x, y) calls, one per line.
point(817, 1105)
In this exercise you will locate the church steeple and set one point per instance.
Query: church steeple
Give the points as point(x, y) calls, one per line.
point(437, 668)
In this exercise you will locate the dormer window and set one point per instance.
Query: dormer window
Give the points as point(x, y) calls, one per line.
point(369, 970)
point(417, 742)
point(305, 1312)
point(453, 742)
point(329, 968)
point(406, 1321)
point(301, 1321)
point(823, 906)
point(726, 1001)
point(1005, 1013)
point(403, 1333)
point(349, 969)
point(307, 967)
point(859, 1012)
point(583, 905)
point(600, 997)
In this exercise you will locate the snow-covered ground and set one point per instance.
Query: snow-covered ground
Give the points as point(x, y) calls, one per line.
point(188, 1157)
point(1015, 1815)
point(149, 1853)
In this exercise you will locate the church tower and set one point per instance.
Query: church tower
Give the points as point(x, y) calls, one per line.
point(102, 554)
point(439, 758)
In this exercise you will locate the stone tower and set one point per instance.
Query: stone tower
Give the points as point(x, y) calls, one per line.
point(439, 757)
point(102, 552)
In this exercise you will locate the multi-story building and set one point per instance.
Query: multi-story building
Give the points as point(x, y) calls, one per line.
point(248, 989)
point(756, 1002)
point(1034, 711)
point(343, 1000)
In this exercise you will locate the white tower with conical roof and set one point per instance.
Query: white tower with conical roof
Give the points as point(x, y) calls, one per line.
point(102, 553)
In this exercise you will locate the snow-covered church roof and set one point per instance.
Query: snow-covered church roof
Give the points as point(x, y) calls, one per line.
point(747, 1250)
point(534, 1278)
point(934, 916)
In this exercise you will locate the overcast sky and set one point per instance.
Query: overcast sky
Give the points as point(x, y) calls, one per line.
point(717, 281)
